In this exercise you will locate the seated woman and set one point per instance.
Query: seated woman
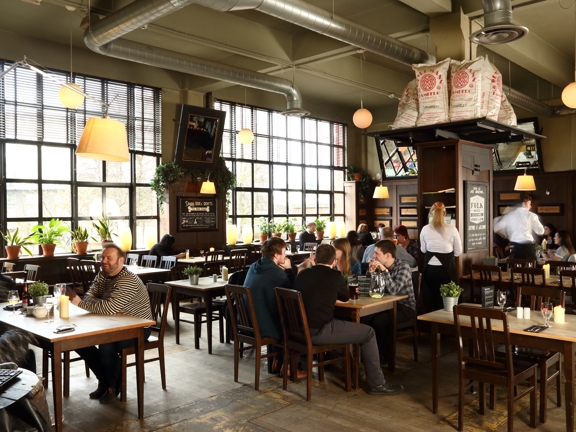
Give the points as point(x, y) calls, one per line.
point(164, 248)
point(364, 235)
point(404, 241)
point(346, 263)
point(357, 249)
point(565, 247)
point(549, 234)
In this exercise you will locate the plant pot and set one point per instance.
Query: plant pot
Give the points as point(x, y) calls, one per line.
point(490, 261)
point(319, 235)
point(449, 303)
point(48, 249)
point(39, 300)
point(277, 235)
point(105, 243)
point(12, 252)
point(194, 279)
point(81, 247)
point(292, 237)
point(263, 238)
point(357, 176)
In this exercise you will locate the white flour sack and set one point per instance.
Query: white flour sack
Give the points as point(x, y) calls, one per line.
point(407, 107)
point(507, 115)
point(491, 91)
point(432, 92)
point(466, 89)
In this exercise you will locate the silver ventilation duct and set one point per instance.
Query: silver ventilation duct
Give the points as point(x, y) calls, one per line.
point(102, 37)
point(498, 26)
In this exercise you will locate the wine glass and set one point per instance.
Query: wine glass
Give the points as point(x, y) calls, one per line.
point(501, 298)
point(547, 311)
point(48, 303)
point(59, 289)
point(13, 298)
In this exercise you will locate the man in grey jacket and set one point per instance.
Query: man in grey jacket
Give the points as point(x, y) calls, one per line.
point(401, 253)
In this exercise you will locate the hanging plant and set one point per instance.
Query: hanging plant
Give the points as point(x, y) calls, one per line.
point(365, 181)
point(164, 176)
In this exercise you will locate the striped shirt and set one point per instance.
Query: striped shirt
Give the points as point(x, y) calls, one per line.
point(123, 293)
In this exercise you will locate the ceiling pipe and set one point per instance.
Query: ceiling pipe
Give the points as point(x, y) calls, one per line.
point(103, 36)
point(498, 26)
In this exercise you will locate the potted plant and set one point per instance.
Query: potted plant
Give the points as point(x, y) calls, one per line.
point(165, 175)
point(15, 243)
point(275, 228)
point(104, 228)
point(266, 229)
point(49, 236)
point(193, 272)
point(450, 293)
point(490, 261)
point(362, 176)
point(80, 240)
point(320, 227)
point(289, 227)
point(37, 290)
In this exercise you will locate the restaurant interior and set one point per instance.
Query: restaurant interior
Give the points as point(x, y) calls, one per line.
point(298, 77)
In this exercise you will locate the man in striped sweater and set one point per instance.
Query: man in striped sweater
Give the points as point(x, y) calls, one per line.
point(115, 290)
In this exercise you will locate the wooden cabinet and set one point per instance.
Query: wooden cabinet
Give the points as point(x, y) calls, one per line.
point(357, 208)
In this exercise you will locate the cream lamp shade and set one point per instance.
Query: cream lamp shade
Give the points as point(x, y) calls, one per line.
point(208, 188)
point(569, 95)
point(362, 118)
point(232, 235)
point(247, 234)
point(246, 136)
point(525, 183)
point(70, 98)
point(341, 229)
point(125, 239)
point(150, 241)
point(104, 139)
point(381, 192)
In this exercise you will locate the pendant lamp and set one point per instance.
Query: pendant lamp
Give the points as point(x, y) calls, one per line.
point(208, 187)
point(104, 139)
point(525, 182)
point(362, 117)
point(569, 92)
point(70, 94)
point(381, 192)
point(246, 136)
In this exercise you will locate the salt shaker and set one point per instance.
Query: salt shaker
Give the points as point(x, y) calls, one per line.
point(526, 313)
point(519, 312)
point(215, 278)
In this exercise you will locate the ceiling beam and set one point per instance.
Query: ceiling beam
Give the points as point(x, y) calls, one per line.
point(432, 8)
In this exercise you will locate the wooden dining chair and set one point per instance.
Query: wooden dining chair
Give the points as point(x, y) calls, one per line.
point(483, 365)
point(89, 269)
point(7, 267)
point(310, 246)
point(159, 302)
point(167, 262)
point(557, 266)
point(31, 272)
point(413, 323)
point(567, 283)
point(297, 341)
point(149, 260)
point(246, 330)
point(214, 256)
point(75, 276)
point(482, 276)
point(132, 259)
point(527, 276)
point(520, 262)
point(237, 260)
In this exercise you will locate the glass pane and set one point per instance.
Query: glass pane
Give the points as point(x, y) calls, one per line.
point(261, 203)
point(311, 178)
point(323, 155)
point(21, 200)
point(146, 234)
point(261, 176)
point(145, 168)
point(279, 125)
point(311, 153)
point(279, 203)
point(24, 228)
point(311, 204)
point(338, 180)
point(117, 172)
point(146, 204)
point(294, 177)
point(338, 156)
point(324, 179)
point(89, 170)
point(294, 152)
point(310, 129)
point(295, 203)
point(243, 174)
point(262, 148)
point(294, 127)
point(55, 163)
point(90, 202)
point(117, 202)
point(323, 131)
point(279, 150)
point(324, 204)
point(338, 203)
point(279, 173)
point(243, 203)
point(262, 122)
point(56, 201)
point(21, 161)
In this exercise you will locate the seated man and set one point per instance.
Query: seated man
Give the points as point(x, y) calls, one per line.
point(401, 253)
point(321, 286)
point(115, 290)
point(397, 280)
point(308, 236)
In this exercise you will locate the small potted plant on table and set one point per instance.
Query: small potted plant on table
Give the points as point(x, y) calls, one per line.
point(193, 272)
point(266, 229)
point(49, 236)
point(104, 228)
point(37, 290)
point(80, 240)
point(320, 227)
point(15, 243)
point(289, 227)
point(450, 293)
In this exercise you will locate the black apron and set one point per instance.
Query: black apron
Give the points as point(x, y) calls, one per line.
point(446, 259)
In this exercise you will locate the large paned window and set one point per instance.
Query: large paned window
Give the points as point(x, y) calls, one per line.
point(294, 168)
point(398, 161)
point(41, 176)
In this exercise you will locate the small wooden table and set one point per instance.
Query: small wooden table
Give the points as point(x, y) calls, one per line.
point(91, 329)
point(207, 289)
point(353, 310)
point(147, 271)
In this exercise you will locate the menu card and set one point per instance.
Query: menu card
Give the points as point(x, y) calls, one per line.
point(488, 297)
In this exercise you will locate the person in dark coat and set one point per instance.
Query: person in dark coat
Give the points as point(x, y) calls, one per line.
point(308, 236)
point(164, 248)
point(364, 235)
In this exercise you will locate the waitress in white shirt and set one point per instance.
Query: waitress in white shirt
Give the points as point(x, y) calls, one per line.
point(441, 244)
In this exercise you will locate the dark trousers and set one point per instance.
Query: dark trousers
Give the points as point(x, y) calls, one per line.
point(381, 324)
point(523, 250)
point(434, 276)
point(346, 332)
point(105, 360)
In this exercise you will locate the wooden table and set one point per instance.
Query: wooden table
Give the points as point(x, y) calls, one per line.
point(207, 289)
point(147, 271)
point(353, 310)
point(202, 260)
point(559, 338)
point(91, 329)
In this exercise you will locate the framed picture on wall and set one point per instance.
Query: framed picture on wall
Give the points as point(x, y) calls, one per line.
point(409, 223)
point(383, 211)
point(197, 214)
point(408, 199)
point(386, 222)
point(408, 211)
point(509, 196)
point(550, 209)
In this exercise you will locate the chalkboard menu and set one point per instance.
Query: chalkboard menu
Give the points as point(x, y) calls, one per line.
point(476, 216)
point(197, 214)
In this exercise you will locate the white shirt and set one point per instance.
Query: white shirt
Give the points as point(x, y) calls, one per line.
point(519, 225)
point(431, 240)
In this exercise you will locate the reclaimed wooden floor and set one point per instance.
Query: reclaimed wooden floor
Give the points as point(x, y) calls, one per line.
point(202, 396)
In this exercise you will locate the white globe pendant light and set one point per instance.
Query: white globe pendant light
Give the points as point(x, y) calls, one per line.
point(362, 117)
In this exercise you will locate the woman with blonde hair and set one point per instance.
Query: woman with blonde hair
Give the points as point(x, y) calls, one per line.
point(441, 243)
point(345, 262)
point(364, 234)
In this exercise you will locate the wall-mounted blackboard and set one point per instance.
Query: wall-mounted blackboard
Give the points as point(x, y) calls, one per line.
point(476, 214)
point(197, 214)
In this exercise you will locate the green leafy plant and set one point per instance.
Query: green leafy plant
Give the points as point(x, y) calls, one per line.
point(451, 289)
point(38, 289)
point(164, 176)
point(321, 224)
point(267, 227)
point(288, 226)
point(51, 234)
point(14, 239)
point(192, 270)
point(104, 228)
point(365, 180)
point(79, 235)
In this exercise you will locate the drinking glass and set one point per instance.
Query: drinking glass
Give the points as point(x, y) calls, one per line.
point(48, 303)
point(547, 311)
point(13, 298)
point(501, 298)
point(59, 289)
point(202, 253)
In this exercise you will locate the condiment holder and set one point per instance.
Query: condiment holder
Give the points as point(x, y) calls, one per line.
point(40, 312)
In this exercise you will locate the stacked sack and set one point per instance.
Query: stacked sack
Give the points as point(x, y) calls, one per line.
point(453, 91)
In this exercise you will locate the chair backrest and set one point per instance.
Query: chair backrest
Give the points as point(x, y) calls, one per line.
point(242, 311)
point(572, 258)
point(567, 278)
point(89, 269)
point(238, 277)
point(541, 294)
point(73, 269)
point(176, 272)
point(310, 246)
point(167, 262)
point(520, 262)
point(527, 276)
point(484, 346)
point(416, 283)
point(214, 256)
point(237, 260)
point(211, 268)
point(132, 259)
point(484, 274)
point(293, 317)
point(7, 267)
point(557, 266)
point(159, 303)
point(31, 271)
point(149, 260)
point(16, 274)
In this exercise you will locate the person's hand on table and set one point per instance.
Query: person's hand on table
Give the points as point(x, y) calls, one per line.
point(74, 298)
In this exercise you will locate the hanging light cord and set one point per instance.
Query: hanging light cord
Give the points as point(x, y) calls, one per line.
point(70, 25)
point(361, 86)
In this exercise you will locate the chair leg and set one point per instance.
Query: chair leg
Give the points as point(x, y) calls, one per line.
point(309, 357)
point(348, 372)
point(285, 374)
point(236, 358)
point(511, 406)
point(559, 384)
point(45, 367)
point(162, 365)
point(241, 349)
point(320, 368)
point(482, 398)
point(123, 379)
point(543, 369)
point(257, 367)
point(532, 403)
point(66, 390)
point(415, 339)
point(221, 325)
point(197, 329)
point(461, 403)
point(492, 397)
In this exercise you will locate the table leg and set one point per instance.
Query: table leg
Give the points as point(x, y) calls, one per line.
point(139, 350)
point(569, 385)
point(392, 337)
point(435, 348)
point(176, 313)
point(355, 317)
point(208, 303)
point(57, 385)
